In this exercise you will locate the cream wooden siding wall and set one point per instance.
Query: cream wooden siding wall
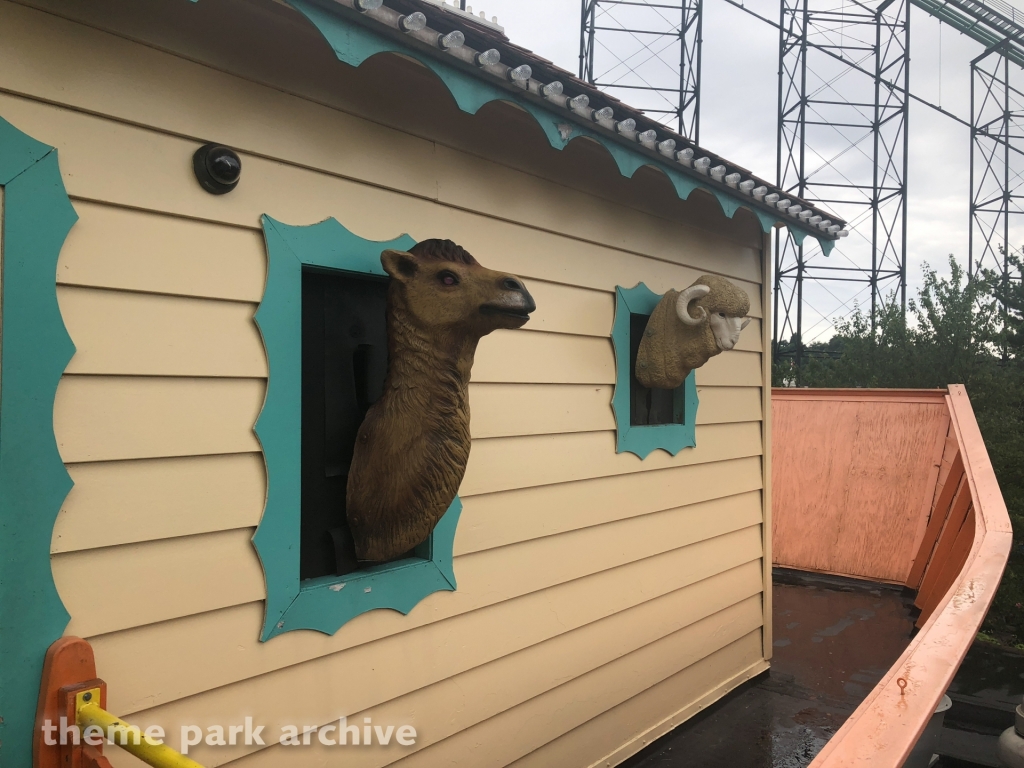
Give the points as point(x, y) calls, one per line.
point(601, 599)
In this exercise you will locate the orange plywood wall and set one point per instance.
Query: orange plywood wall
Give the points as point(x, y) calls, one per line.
point(854, 478)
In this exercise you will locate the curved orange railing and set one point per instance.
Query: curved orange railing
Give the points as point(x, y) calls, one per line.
point(885, 727)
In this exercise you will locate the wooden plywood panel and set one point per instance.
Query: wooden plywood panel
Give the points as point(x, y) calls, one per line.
point(121, 502)
point(484, 683)
point(156, 580)
point(952, 524)
point(953, 485)
point(627, 728)
point(90, 147)
point(120, 332)
point(856, 474)
point(498, 519)
point(949, 569)
point(207, 650)
point(112, 247)
point(274, 124)
point(107, 418)
point(521, 462)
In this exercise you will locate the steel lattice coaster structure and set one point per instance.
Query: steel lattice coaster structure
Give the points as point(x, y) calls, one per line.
point(843, 130)
point(649, 54)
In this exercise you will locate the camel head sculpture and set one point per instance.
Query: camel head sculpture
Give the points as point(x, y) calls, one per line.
point(411, 449)
point(689, 327)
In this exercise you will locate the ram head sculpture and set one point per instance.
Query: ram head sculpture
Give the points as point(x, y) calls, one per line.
point(688, 328)
point(411, 449)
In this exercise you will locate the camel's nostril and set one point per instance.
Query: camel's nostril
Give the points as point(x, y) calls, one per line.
point(512, 284)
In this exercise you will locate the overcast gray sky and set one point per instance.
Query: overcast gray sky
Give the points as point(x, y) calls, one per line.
point(738, 111)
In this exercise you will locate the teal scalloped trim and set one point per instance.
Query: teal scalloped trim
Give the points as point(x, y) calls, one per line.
point(328, 603)
point(354, 43)
point(641, 440)
point(34, 350)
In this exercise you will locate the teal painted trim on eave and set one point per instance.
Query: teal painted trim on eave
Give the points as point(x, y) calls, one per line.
point(328, 603)
point(354, 43)
point(642, 440)
point(34, 350)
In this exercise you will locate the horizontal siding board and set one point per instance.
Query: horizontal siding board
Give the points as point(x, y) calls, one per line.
point(674, 699)
point(106, 418)
point(498, 519)
point(522, 462)
point(500, 740)
point(720, 405)
point(117, 587)
point(132, 250)
point(138, 334)
point(118, 332)
point(90, 147)
point(473, 183)
point(505, 410)
point(172, 94)
point(112, 418)
point(731, 369)
point(199, 651)
point(498, 669)
point(544, 358)
point(123, 502)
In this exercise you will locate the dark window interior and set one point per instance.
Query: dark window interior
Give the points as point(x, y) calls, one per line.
point(648, 407)
point(344, 361)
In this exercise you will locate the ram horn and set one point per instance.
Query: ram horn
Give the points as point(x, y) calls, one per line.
point(745, 324)
point(692, 293)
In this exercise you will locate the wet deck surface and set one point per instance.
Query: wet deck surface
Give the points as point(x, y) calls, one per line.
point(834, 640)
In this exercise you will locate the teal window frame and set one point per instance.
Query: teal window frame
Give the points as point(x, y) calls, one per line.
point(35, 349)
point(323, 604)
point(643, 439)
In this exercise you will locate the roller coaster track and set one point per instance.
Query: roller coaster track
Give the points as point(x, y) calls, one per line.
point(990, 22)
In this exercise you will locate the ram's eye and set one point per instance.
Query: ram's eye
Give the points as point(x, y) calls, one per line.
point(448, 278)
point(721, 314)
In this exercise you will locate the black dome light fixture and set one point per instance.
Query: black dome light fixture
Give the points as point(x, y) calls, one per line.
point(217, 168)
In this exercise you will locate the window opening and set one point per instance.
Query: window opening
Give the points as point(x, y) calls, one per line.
point(344, 362)
point(649, 407)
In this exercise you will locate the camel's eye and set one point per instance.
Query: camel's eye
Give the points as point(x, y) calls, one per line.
point(448, 278)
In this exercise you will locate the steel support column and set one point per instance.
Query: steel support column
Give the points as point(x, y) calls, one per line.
point(842, 143)
point(997, 162)
point(648, 55)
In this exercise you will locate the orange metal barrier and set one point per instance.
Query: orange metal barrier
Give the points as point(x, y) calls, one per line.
point(959, 564)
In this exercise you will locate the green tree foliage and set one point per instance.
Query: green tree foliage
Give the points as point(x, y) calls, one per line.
point(957, 331)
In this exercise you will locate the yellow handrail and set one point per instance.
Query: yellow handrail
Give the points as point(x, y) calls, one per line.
point(125, 735)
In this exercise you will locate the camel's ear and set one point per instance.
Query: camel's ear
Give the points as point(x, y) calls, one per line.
point(399, 264)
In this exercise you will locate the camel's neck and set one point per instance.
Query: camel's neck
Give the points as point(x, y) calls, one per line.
point(435, 367)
